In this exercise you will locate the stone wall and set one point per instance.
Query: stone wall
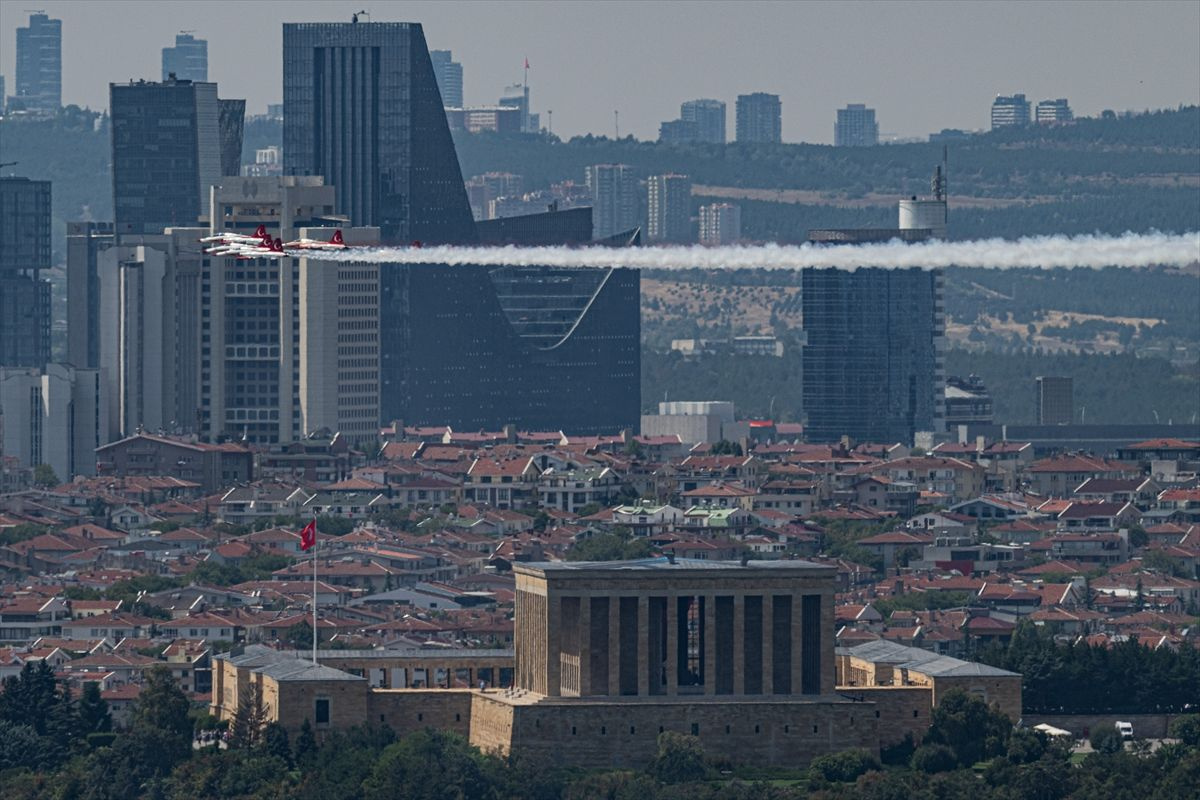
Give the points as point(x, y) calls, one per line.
point(295, 701)
point(777, 732)
point(491, 723)
point(898, 710)
point(1004, 691)
point(409, 710)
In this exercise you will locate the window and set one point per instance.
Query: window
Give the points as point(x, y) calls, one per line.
point(322, 711)
point(695, 729)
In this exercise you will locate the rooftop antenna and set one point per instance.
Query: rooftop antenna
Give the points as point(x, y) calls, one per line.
point(617, 122)
point(354, 17)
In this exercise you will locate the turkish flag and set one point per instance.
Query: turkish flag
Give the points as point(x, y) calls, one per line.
point(308, 536)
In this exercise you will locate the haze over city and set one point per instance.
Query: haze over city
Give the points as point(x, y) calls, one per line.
point(923, 66)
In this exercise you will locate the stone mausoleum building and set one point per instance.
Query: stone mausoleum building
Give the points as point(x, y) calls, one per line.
point(608, 655)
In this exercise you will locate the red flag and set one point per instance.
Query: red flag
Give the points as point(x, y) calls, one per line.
point(527, 63)
point(308, 536)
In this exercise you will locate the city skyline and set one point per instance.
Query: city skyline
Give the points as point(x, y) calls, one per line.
point(1060, 57)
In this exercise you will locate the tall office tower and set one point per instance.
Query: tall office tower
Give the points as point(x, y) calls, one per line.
point(1051, 111)
point(166, 153)
point(570, 361)
point(669, 202)
point(52, 416)
point(449, 74)
point(85, 242)
point(187, 60)
point(517, 96)
point(709, 119)
point(3, 95)
point(256, 322)
point(720, 223)
point(39, 64)
point(874, 354)
point(759, 118)
point(232, 122)
point(362, 109)
point(24, 252)
point(856, 127)
point(1010, 111)
point(1055, 400)
point(614, 199)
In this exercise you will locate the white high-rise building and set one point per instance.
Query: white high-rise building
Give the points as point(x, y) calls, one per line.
point(52, 416)
point(720, 223)
point(856, 127)
point(669, 207)
point(1051, 111)
point(614, 199)
point(1010, 111)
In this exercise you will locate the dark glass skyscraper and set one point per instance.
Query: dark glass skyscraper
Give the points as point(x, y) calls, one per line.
point(233, 125)
point(24, 252)
point(873, 357)
point(449, 75)
point(166, 142)
point(539, 347)
point(361, 107)
point(187, 60)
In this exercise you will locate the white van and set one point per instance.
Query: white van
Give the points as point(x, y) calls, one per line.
point(1125, 729)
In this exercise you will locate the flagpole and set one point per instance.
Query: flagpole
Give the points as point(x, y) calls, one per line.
point(314, 597)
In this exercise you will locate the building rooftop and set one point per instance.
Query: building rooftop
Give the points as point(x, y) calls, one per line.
point(918, 660)
point(675, 565)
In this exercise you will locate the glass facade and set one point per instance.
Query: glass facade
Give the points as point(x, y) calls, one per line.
point(233, 124)
point(39, 64)
point(24, 252)
point(873, 357)
point(166, 144)
point(362, 109)
point(539, 347)
point(188, 59)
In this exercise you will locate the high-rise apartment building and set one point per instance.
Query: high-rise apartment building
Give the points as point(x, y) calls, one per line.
point(490, 186)
point(449, 74)
point(85, 242)
point(669, 207)
point(542, 348)
point(615, 203)
point(1055, 400)
point(1010, 111)
point(856, 127)
point(708, 117)
point(720, 223)
point(874, 354)
point(759, 118)
point(187, 60)
point(24, 252)
point(166, 153)
point(52, 415)
point(1051, 111)
point(362, 109)
point(232, 122)
point(39, 64)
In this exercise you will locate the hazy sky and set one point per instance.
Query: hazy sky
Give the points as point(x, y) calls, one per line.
point(923, 65)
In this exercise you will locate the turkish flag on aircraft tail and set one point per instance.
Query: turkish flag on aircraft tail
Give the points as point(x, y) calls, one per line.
point(308, 536)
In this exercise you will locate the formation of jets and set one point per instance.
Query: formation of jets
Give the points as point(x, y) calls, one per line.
point(262, 245)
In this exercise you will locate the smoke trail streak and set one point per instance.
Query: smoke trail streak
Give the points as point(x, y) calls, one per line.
point(1045, 252)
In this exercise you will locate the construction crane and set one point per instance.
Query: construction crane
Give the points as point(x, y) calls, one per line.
point(4, 164)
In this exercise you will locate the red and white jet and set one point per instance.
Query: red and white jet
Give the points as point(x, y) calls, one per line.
point(335, 243)
point(267, 248)
point(231, 237)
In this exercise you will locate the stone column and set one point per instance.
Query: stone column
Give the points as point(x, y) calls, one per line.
point(614, 645)
point(710, 644)
point(768, 643)
point(553, 645)
point(643, 651)
point(585, 645)
point(672, 654)
point(797, 642)
point(739, 644)
point(827, 621)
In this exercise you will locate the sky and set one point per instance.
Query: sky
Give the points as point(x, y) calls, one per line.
point(923, 66)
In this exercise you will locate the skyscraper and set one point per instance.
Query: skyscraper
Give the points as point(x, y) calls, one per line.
point(449, 74)
point(1051, 111)
point(873, 356)
point(232, 117)
point(856, 127)
point(614, 198)
point(709, 118)
point(39, 64)
point(187, 60)
point(166, 146)
point(720, 223)
point(669, 206)
point(759, 118)
point(1010, 111)
point(543, 348)
point(24, 252)
point(362, 109)
point(85, 242)
point(1055, 400)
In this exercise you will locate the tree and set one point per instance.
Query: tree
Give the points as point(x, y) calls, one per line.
point(680, 758)
point(162, 707)
point(845, 766)
point(965, 724)
point(29, 697)
point(620, 545)
point(1106, 739)
point(44, 477)
point(275, 743)
point(250, 718)
point(299, 636)
point(932, 758)
point(306, 745)
point(1187, 730)
point(429, 765)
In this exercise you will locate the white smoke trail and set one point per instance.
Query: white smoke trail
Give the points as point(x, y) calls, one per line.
point(1045, 252)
